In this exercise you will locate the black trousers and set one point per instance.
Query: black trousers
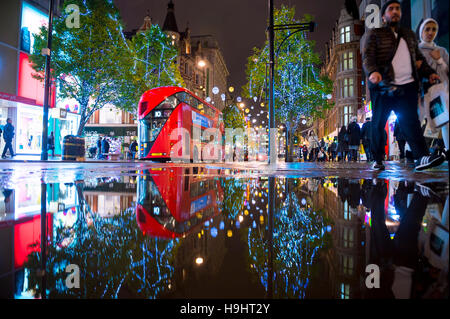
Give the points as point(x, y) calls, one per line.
point(406, 108)
point(8, 146)
point(366, 145)
point(401, 146)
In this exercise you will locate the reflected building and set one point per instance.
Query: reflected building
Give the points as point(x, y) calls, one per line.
point(345, 263)
point(110, 197)
point(20, 228)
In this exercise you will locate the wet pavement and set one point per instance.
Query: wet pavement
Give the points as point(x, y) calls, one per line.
point(149, 230)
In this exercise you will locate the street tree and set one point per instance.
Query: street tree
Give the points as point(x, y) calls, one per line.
point(86, 59)
point(299, 91)
point(96, 65)
point(151, 63)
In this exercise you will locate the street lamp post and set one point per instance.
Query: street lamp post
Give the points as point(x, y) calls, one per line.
point(272, 28)
point(48, 53)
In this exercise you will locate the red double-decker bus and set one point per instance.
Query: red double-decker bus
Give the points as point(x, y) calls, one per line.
point(172, 124)
point(175, 202)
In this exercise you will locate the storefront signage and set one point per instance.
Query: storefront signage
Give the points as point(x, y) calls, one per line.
point(112, 131)
point(62, 113)
point(15, 98)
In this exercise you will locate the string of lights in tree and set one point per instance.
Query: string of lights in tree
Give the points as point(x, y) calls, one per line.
point(298, 235)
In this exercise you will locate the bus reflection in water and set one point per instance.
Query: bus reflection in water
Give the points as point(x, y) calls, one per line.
point(175, 202)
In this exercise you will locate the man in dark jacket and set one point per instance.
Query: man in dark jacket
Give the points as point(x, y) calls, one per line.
point(105, 147)
point(354, 139)
point(365, 137)
point(8, 135)
point(395, 66)
point(99, 148)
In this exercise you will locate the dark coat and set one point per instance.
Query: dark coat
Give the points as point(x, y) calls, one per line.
point(105, 146)
point(379, 49)
point(8, 132)
point(134, 146)
point(366, 131)
point(354, 134)
point(342, 140)
point(51, 142)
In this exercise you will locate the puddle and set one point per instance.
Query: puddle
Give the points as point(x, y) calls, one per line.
point(194, 233)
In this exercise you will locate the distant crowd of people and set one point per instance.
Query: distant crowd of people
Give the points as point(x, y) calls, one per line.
point(103, 147)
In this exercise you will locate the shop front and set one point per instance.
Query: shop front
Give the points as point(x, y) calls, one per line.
point(119, 137)
point(62, 123)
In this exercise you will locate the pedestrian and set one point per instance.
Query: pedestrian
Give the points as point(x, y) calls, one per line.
point(365, 137)
point(51, 143)
point(99, 148)
point(313, 146)
point(305, 153)
point(395, 66)
point(401, 140)
point(333, 149)
point(105, 147)
point(8, 136)
point(437, 57)
point(133, 149)
point(354, 139)
point(342, 144)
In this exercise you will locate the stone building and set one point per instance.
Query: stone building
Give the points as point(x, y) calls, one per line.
point(343, 65)
point(201, 63)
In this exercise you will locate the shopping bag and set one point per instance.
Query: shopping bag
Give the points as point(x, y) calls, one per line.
point(436, 105)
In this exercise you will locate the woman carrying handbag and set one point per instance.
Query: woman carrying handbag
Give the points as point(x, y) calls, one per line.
point(438, 58)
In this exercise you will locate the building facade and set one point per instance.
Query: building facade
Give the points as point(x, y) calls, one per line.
point(343, 65)
point(22, 96)
point(201, 63)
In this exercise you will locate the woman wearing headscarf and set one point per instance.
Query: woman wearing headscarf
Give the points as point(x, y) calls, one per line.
point(437, 57)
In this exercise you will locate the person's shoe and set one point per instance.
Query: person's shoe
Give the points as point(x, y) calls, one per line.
point(446, 153)
point(379, 166)
point(426, 162)
point(426, 191)
point(3, 156)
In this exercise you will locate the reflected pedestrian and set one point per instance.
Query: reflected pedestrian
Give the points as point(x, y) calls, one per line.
point(394, 84)
point(8, 135)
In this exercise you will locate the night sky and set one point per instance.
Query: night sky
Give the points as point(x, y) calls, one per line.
point(238, 25)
